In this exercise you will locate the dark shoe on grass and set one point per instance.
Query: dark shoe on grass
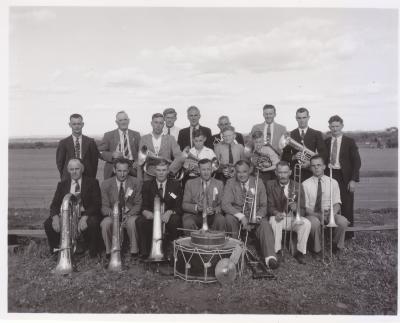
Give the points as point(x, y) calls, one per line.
point(272, 263)
point(300, 258)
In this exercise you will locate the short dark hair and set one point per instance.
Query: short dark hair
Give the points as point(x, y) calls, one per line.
point(162, 162)
point(269, 106)
point(302, 110)
point(193, 107)
point(122, 161)
point(257, 134)
point(317, 157)
point(198, 133)
point(228, 128)
point(335, 118)
point(169, 111)
point(204, 161)
point(156, 115)
point(242, 162)
point(75, 116)
point(282, 163)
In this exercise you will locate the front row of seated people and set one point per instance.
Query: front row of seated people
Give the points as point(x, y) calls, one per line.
point(276, 207)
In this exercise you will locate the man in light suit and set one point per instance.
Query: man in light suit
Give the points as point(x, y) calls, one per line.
point(77, 146)
point(345, 160)
point(198, 189)
point(312, 140)
point(272, 133)
point(160, 145)
point(185, 137)
point(126, 190)
point(119, 143)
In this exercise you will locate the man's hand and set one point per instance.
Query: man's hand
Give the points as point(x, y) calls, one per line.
point(82, 225)
point(279, 217)
point(149, 215)
point(117, 154)
point(245, 223)
point(56, 223)
point(166, 216)
point(351, 186)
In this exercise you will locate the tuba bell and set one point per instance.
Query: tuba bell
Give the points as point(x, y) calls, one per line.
point(156, 253)
point(70, 214)
point(115, 259)
point(286, 140)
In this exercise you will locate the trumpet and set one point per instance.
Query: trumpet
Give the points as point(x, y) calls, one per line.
point(70, 214)
point(306, 153)
point(156, 253)
point(115, 259)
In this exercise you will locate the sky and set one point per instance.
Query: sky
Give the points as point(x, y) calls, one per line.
point(227, 61)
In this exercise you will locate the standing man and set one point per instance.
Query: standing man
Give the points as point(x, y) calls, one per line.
point(198, 189)
point(312, 140)
point(88, 191)
point(160, 145)
point(272, 133)
point(77, 146)
point(126, 190)
point(170, 194)
point(345, 160)
point(282, 195)
point(233, 201)
point(223, 122)
point(170, 119)
point(185, 137)
point(119, 143)
point(317, 197)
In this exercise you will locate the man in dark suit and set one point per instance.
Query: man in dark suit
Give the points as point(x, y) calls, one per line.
point(312, 140)
point(185, 137)
point(77, 146)
point(88, 191)
point(170, 193)
point(345, 161)
point(223, 122)
point(119, 143)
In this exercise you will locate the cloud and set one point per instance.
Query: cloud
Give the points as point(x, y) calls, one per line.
point(37, 15)
point(128, 78)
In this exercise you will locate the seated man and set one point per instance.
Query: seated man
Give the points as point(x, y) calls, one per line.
point(198, 189)
point(170, 193)
point(233, 199)
point(317, 198)
point(126, 190)
point(228, 153)
point(88, 191)
point(282, 195)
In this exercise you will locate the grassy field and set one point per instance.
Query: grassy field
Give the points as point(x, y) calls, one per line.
point(33, 177)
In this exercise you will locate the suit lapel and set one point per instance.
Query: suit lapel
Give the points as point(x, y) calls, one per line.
point(150, 143)
point(116, 141)
point(85, 145)
point(71, 146)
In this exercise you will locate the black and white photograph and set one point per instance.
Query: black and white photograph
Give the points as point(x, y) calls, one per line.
point(202, 158)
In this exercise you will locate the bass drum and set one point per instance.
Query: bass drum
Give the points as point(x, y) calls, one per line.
point(192, 263)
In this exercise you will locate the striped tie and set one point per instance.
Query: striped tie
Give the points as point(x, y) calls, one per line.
point(126, 149)
point(77, 148)
point(334, 151)
point(268, 133)
point(77, 187)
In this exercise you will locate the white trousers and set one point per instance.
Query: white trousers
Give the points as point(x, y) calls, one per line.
point(302, 230)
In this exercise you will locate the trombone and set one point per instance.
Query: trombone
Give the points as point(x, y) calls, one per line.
point(330, 225)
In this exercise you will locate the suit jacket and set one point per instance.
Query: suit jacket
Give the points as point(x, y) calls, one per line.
point(172, 196)
point(110, 195)
point(277, 201)
point(279, 130)
point(312, 140)
point(233, 197)
point(217, 138)
point(193, 194)
point(184, 137)
point(169, 148)
point(90, 196)
point(222, 153)
point(66, 151)
point(349, 159)
point(109, 144)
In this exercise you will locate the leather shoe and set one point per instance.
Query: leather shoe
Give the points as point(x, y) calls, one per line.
point(335, 249)
point(300, 258)
point(272, 263)
point(316, 255)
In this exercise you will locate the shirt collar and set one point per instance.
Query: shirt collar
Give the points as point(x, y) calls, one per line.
point(74, 137)
point(158, 183)
point(122, 132)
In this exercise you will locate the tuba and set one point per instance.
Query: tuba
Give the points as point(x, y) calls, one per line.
point(286, 140)
point(70, 214)
point(156, 253)
point(115, 259)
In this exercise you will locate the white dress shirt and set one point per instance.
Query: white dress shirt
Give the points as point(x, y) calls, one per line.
point(271, 130)
point(80, 144)
point(73, 185)
point(173, 131)
point(191, 134)
point(156, 143)
point(119, 184)
point(121, 143)
point(205, 152)
point(310, 187)
point(164, 184)
point(336, 165)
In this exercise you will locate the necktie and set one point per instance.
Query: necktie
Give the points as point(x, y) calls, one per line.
point(126, 149)
point(77, 148)
point(268, 133)
point(161, 191)
point(334, 151)
point(244, 188)
point(302, 134)
point(192, 139)
point(205, 191)
point(318, 201)
point(230, 154)
point(283, 197)
point(77, 187)
point(169, 131)
point(121, 195)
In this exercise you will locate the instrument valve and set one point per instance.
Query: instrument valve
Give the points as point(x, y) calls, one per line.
point(207, 264)
point(188, 266)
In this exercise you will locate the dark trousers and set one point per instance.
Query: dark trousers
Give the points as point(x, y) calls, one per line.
point(347, 198)
point(91, 235)
point(144, 229)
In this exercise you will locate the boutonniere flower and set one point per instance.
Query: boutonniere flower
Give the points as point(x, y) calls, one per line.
point(129, 192)
point(215, 193)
